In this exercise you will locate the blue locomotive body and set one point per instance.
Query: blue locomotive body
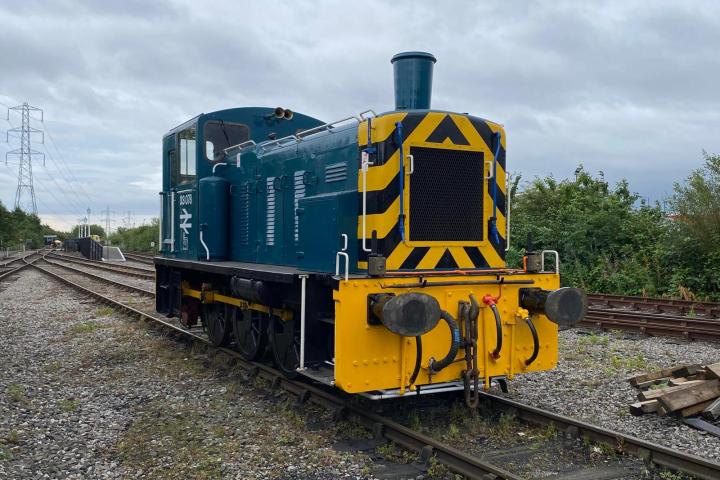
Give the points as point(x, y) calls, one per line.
point(337, 245)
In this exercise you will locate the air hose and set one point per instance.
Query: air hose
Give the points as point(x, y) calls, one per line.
point(437, 365)
point(418, 360)
point(536, 341)
point(498, 329)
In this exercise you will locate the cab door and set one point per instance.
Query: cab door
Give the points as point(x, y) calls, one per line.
point(184, 228)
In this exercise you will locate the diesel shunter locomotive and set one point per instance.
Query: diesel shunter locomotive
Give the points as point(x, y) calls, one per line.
point(367, 253)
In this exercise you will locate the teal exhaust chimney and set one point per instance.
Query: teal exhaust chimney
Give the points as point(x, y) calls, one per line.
point(413, 80)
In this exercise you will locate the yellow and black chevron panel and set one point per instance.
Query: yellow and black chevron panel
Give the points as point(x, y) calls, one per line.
point(447, 202)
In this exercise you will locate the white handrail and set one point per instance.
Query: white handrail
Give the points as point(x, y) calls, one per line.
point(303, 280)
point(347, 264)
point(202, 242)
point(160, 224)
point(240, 146)
point(557, 260)
point(343, 253)
point(172, 222)
point(370, 110)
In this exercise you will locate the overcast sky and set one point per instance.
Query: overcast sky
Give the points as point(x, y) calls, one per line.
point(627, 88)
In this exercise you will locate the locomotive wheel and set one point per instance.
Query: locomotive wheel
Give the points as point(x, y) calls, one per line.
point(217, 324)
point(249, 328)
point(285, 346)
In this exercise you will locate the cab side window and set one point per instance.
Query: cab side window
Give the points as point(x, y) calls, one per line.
point(220, 135)
point(185, 169)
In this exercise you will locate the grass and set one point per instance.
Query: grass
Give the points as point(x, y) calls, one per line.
point(86, 327)
point(438, 471)
point(12, 438)
point(595, 339)
point(16, 392)
point(53, 367)
point(505, 425)
point(104, 312)
point(670, 475)
point(159, 433)
point(632, 362)
point(69, 405)
point(391, 452)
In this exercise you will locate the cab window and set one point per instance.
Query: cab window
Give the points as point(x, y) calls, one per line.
point(220, 135)
point(186, 166)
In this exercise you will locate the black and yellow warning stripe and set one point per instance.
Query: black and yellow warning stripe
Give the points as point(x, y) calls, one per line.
point(437, 130)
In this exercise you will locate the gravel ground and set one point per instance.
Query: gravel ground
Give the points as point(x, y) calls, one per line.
point(590, 384)
point(85, 393)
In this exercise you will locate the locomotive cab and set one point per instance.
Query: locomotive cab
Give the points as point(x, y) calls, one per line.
point(367, 253)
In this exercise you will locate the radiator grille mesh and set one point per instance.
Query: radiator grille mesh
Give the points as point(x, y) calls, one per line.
point(446, 195)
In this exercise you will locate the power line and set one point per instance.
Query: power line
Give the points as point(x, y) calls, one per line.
point(62, 159)
point(77, 197)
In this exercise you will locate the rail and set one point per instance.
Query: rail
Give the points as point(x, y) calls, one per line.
point(457, 461)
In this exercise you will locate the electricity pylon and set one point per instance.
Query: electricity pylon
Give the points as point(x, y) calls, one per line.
point(26, 153)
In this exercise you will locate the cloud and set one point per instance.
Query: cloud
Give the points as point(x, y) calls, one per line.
point(627, 88)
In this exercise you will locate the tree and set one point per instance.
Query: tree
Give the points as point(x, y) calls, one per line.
point(695, 231)
point(137, 239)
point(605, 238)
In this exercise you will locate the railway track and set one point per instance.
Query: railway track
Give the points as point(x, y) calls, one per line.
point(139, 303)
point(16, 264)
point(137, 272)
point(148, 259)
point(652, 316)
point(657, 305)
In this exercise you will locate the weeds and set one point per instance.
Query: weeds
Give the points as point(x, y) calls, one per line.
point(104, 312)
point(69, 405)
point(86, 327)
point(16, 392)
point(391, 452)
point(505, 425)
point(12, 438)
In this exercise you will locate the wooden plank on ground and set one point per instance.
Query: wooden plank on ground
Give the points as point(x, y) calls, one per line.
point(674, 382)
point(640, 408)
point(687, 370)
point(686, 397)
point(712, 371)
point(667, 372)
point(695, 409)
point(712, 412)
point(659, 392)
point(650, 383)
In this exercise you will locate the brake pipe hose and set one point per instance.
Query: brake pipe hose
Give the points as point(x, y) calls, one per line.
point(536, 341)
point(437, 365)
point(418, 360)
point(498, 328)
point(491, 301)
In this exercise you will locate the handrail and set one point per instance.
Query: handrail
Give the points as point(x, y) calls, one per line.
point(557, 260)
point(326, 126)
point(300, 136)
point(370, 110)
point(343, 253)
point(240, 146)
point(278, 142)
